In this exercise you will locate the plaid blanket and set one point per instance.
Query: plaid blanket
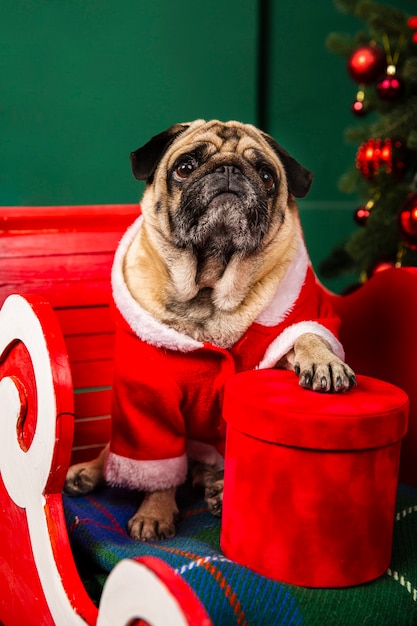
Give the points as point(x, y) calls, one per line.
point(234, 595)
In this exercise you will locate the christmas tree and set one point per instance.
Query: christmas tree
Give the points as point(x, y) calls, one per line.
point(382, 61)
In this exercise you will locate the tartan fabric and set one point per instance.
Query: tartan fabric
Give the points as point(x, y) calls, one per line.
point(234, 595)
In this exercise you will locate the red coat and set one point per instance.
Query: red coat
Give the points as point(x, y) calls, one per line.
point(167, 393)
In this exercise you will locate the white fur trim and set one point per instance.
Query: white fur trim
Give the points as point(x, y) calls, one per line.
point(288, 290)
point(285, 342)
point(143, 324)
point(204, 452)
point(120, 471)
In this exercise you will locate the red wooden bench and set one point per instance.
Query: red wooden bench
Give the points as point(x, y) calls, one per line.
point(56, 343)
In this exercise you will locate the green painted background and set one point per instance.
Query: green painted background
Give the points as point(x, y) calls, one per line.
point(84, 82)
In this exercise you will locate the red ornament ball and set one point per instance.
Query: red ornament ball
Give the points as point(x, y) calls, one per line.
point(390, 87)
point(376, 156)
point(366, 64)
point(408, 221)
point(359, 108)
point(412, 24)
point(361, 215)
point(381, 266)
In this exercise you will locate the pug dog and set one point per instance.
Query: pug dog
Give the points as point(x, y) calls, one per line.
point(212, 279)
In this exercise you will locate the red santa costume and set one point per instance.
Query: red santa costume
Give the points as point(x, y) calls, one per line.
point(167, 393)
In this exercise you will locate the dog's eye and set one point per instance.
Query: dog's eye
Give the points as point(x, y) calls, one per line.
point(185, 168)
point(267, 178)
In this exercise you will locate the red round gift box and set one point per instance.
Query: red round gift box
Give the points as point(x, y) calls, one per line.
point(311, 478)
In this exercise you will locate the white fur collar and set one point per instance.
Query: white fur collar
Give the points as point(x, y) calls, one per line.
point(153, 331)
point(143, 324)
point(288, 290)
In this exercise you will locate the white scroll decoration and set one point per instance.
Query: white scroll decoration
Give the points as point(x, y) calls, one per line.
point(131, 590)
point(25, 473)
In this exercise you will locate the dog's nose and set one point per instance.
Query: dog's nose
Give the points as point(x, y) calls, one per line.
point(230, 176)
point(228, 169)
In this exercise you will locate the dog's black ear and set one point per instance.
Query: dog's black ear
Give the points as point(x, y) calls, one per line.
point(298, 177)
point(145, 159)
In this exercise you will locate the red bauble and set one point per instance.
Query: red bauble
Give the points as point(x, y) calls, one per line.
point(381, 266)
point(359, 108)
point(408, 221)
point(366, 64)
point(390, 87)
point(412, 23)
point(381, 155)
point(361, 215)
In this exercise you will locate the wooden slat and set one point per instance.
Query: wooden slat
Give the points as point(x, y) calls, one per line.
point(92, 217)
point(45, 244)
point(92, 374)
point(93, 347)
point(92, 432)
point(85, 320)
point(62, 294)
point(72, 267)
point(92, 403)
point(87, 453)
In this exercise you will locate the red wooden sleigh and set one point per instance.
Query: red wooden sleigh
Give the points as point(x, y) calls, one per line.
point(56, 344)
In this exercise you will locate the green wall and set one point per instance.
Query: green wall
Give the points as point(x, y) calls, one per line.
point(84, 82)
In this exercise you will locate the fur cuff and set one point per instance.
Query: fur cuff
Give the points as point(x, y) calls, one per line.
point(285, 342)
point(120, 471)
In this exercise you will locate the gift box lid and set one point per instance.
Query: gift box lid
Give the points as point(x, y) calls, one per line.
point(271, 406)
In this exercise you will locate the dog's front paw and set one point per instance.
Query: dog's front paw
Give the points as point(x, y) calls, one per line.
point(155, 518)
point(318, 368)
point(146, 528)
point(333, 375)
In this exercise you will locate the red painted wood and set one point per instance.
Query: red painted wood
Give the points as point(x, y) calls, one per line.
point(80, 455)
point(60, 268)
point(93, 403)
point(92, 217)
point(38, 244)
point(92, 347)
point(64, 559)
point(21, 595)
point(80, 321)
point(19, 365)
point(92, 431)
point(92, 373)
point(62, 293)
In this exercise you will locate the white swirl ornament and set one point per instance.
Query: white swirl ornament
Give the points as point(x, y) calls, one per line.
point(133, 589)
point(25, 473)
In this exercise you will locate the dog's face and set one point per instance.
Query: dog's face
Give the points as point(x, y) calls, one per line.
point(217, 189)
